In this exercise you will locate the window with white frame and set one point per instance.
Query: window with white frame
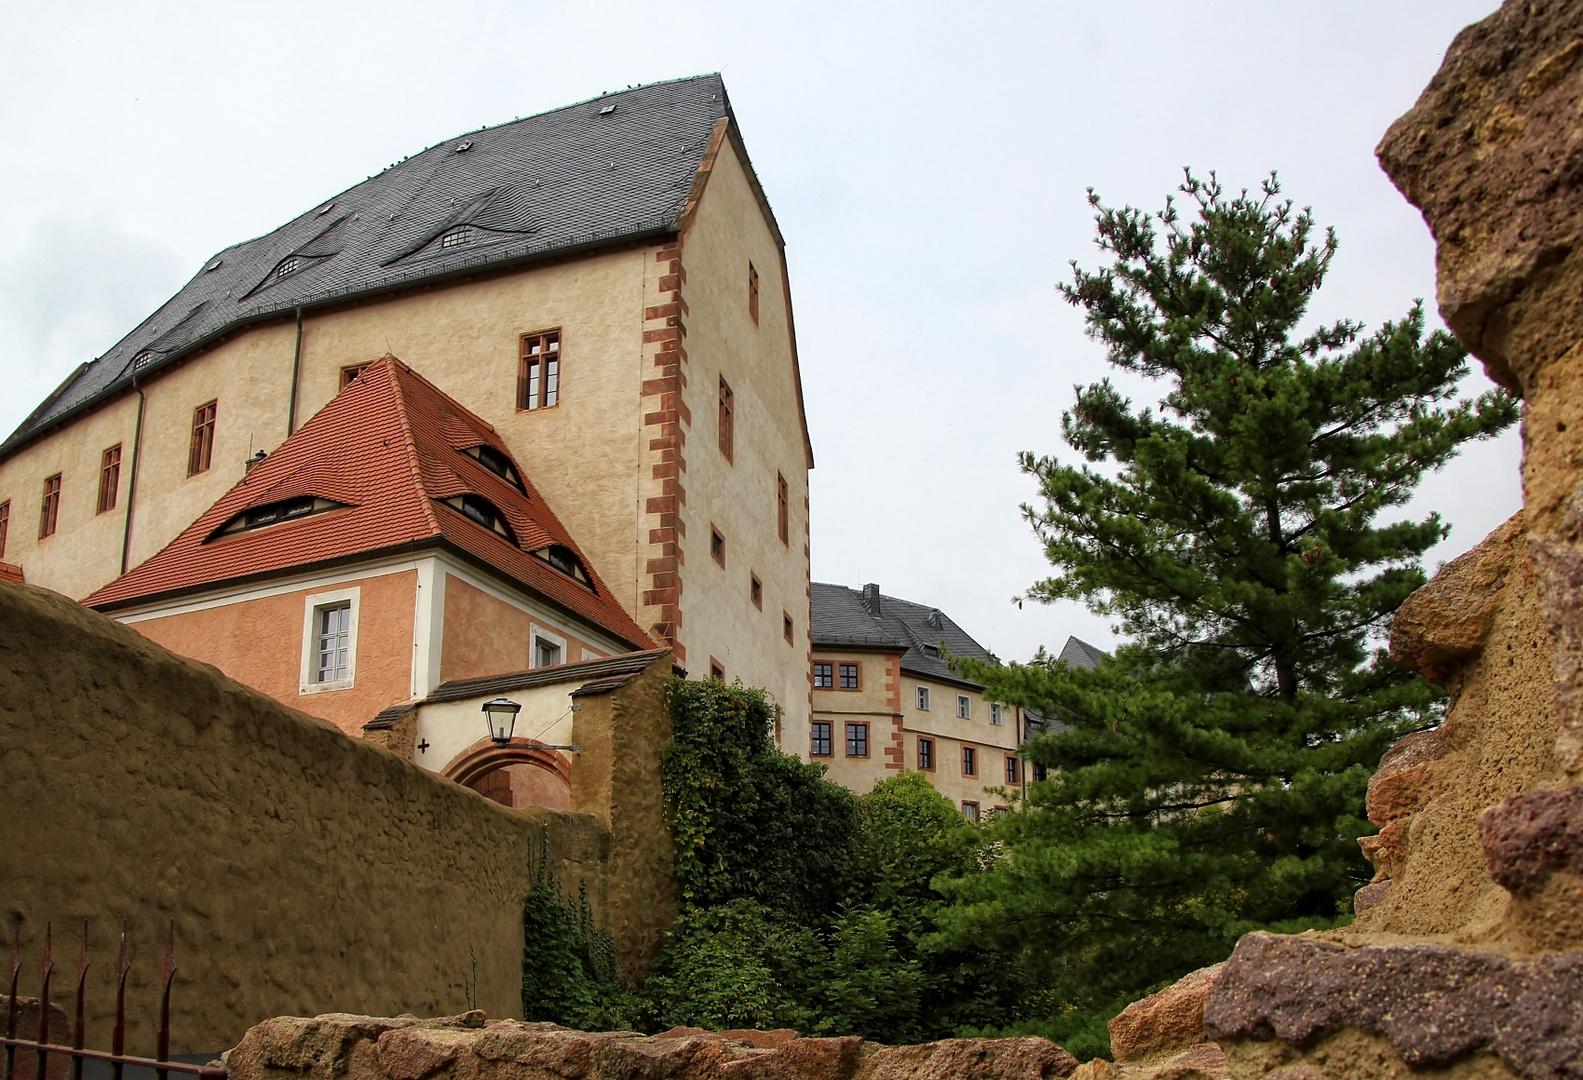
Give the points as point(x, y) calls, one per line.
point(329, 641)
point(996, 717)
point(964, 707)
point(923, 698)
point(546, 652)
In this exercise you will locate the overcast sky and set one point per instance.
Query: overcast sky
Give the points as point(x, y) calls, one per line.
point(927, 164)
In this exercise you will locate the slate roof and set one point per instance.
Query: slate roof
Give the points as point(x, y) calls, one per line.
point(616, 167)
point(840, 618)
point(388, 448)
point(1080, 653)
point(603, 674)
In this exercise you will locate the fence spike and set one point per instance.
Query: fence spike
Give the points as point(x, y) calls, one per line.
point(80, 1032)
point(16, 968)
point(43, 1003)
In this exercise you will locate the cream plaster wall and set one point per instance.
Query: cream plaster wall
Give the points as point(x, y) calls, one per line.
point(453, 727)
point(739, 496)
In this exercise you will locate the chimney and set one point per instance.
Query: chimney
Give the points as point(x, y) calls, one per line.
point(871, 599)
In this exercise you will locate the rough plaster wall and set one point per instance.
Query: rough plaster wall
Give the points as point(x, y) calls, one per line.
point(307, 872)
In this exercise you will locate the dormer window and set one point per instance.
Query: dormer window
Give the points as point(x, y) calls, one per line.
point(566, 561)
point(457, 237)
point(274, 513)
point(287, 268)
point(478, 509)
point(497, 463)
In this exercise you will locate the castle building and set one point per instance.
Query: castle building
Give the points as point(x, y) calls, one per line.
point(603, 287)
point(887, 696)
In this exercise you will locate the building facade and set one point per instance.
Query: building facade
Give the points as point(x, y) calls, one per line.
point(605, 285)
point(888, 697)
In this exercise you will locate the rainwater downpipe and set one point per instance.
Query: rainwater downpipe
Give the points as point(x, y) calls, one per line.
point(296, 370)
point(131, 487)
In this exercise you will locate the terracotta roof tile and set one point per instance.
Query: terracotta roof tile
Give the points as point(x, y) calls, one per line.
point(388, 447)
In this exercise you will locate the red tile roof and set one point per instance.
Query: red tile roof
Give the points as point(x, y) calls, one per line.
point(10, 572)
point(389, 447)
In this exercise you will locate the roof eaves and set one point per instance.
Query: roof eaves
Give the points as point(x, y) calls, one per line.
point(624, 664)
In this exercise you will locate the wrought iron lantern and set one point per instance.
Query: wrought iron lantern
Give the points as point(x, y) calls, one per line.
point(500, 716)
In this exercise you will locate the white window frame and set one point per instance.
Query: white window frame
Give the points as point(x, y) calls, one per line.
point(311, 606)
point(995, 715)
point(922, 699)
point(964, 707)
point(550, 637)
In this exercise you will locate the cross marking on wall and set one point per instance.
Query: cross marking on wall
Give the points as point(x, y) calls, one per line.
point(423, 747)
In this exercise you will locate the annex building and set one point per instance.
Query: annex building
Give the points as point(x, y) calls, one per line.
point(527, 398)
point(887, 697)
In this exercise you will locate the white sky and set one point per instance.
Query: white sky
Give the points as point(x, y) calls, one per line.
point(927, 164)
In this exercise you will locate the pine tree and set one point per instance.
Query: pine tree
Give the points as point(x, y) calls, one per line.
point(1210, 778)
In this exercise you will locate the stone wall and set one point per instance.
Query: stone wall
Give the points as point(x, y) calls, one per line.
point(305, 871)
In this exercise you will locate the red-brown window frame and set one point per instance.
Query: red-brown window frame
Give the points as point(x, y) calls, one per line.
point(925, 754)
point(728, 434)
point(200, 452)
point(109, 478)
point(49, 508)
point(783, 508)
point(717, 670)
point(814, 741)
point(969, 761)
point(351, 373)
point(753, 293)
point(817, 664)
point(1013, 770)
point(857, 674)
point(853, 726)
point(5, 524)
point(539, 395)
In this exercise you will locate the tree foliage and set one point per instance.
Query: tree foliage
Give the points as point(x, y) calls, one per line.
point(1210, 778)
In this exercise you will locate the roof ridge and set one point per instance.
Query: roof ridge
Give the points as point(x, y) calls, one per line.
point(388, 363)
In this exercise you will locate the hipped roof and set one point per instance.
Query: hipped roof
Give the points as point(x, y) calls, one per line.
point(389, 448)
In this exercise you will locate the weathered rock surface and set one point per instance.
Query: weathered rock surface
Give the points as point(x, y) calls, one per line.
point(25, 1064)
point(1166, 1022)
point(1434, 1004)
point(467, 1047)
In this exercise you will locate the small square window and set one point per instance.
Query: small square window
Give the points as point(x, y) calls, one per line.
point(1013, 771)
point(546, 653)
point(351, 373)
point(819, 740)
point(964, 707)
point(849, 676)
point(923, 698)
point(970, 811)
point(717, 546)
point(996, 717)
point(717, 670)
point(926, 753)
point(786, 628)
point(969, 761)
point(823, 675)
point(857, 740)
point(756, 591)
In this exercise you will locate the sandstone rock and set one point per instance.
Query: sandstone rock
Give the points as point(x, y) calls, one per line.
point(1447, 620)
point(1203, 1062)
point(970, 1059)
point(1370, 895)
point(1529, 836)
point(1098, 1069)
point(1435, 1004)
point(25, 1062)
point(762, 1040)
point(1172, 1019)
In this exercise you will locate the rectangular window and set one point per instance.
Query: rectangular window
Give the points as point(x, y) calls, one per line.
point(539, 374)
point(823, 675)
point(332, 643)
point(349, 374)
point(753, 293)
point(964, 707)
point(546, 653)
point(995, 715)
point(5, 524)
point(857, 740)
point(201, 452)
point(1013, 773)
point(819, 740)
point(727, 421)
point(1038, 773)
point(969, 761)
point(849, 676)
point(970, 811)
point(717, 546)
point(756, 591)
point(717, 670)
point(786, 627)
point(49, 510)
point(923, 698)
point(109, 477)
point(783, 509)
point(926, 753)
